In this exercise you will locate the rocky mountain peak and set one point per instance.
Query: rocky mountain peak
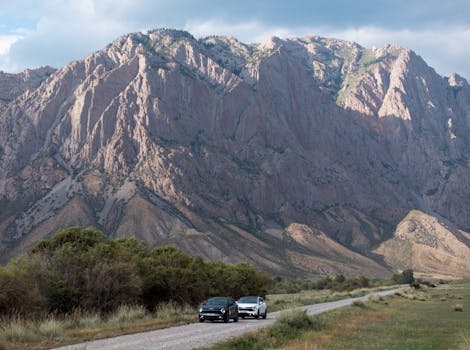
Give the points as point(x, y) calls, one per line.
point(456, 80)
point(13, 85)
point(294, 151)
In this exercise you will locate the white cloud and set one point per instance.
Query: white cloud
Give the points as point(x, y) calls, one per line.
point(6, 41)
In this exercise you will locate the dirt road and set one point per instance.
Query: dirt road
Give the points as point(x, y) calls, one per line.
point(198, 335)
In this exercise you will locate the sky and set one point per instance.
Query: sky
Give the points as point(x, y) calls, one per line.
point(35, 33)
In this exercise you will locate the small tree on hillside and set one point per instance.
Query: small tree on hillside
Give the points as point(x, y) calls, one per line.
point(406, 277)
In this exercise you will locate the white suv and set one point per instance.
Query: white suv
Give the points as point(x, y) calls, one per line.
point(252, 306)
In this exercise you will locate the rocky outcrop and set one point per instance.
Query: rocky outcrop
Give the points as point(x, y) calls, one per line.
point(213, 144)
point(13, 85)
point(428, 246)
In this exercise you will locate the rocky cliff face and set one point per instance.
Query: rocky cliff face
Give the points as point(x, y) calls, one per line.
point(299, 155)
point(13, 85)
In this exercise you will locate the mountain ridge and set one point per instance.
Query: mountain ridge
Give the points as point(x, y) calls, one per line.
point(223, 142)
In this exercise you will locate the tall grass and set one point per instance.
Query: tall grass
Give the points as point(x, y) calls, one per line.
point(170, 312)
point(127, 314)
point(50, 327)
point(16, 331)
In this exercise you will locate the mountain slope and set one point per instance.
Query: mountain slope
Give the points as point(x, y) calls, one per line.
point(425, 244)
point(220, 147)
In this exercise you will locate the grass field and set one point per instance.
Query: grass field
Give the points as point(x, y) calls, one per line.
point(420, 320)
point(278, 302)
point(424, 319)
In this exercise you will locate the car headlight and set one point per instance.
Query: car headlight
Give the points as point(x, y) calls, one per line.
point(222, 310)
point(200, 310)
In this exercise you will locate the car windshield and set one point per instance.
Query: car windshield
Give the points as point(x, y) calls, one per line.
point(251, 300)
point(217, 301)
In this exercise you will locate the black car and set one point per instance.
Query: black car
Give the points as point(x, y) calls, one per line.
point(219, 308)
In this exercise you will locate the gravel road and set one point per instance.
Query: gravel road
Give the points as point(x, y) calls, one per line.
point(198, 335)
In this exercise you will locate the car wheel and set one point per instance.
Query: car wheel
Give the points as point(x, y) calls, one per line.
point(201, 320)
point(265, 314)
point(242, 317)
point(226, 317)
point(257, 315)
point(235, 319)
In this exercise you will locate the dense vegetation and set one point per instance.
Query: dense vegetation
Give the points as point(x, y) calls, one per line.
point(80, 268)
point(336, 284)
point(340, 283)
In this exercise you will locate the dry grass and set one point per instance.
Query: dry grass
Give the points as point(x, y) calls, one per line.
point(18, 333)
point(127, 314)
point(411, 293)
point(50, 327)
point(18, 330)
point(375, 298)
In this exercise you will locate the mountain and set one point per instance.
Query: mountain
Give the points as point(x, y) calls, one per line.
point(301, 155)
point(13, 85)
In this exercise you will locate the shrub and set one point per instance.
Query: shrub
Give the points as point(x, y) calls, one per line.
point(291, 323)
point(458, 307)
point(81, 269)
point(375, 298)
point(405, 277)
point(359, 303)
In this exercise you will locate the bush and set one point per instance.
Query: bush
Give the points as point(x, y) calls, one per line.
point(458, 307)
point(405, 277)
point(338, 284)
point(81, 269)
point(375, 298)
point(292, 323)
point(359, 303)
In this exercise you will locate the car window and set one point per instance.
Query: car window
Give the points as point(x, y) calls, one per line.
point(216, 301)
point(248, 300)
